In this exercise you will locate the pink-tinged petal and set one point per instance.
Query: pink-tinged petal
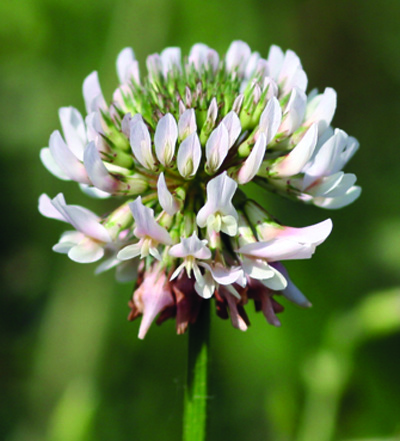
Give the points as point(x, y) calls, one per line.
point(189, 156)
point(74, 130)
point(66, 160)
point(141, 145)
point(236, 319)
point(295, 161)
point(165, 139)
point(268, 310)
point(51, 165)
point(232, 124)
point(275, 61)
point(220, 191)
point(86, 222)
point(217, 147)
point(292, 75)
point(314, 234)
point(321, 109)
point(127, 66)
point(341, 201)
point(237, 56)
point(294, 112)
point(97, 171)
point(169, 204)
point(171, 60)
point(92, 93)
point(271, 119)
point(291, 292)
point(253, 162)
point(86, 251)
point(155, 295)
point(47, 209)
point(146, 225)
point(277, 249)
point(130, 251)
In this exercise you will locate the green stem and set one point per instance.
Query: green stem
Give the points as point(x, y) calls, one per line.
point(195, 402)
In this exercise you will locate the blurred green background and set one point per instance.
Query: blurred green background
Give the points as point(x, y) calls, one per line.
point(71, 367)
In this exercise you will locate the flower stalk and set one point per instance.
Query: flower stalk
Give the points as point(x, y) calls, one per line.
point(196, 391)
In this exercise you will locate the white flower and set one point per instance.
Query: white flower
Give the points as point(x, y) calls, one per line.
point(148, 230)
point(218, 213)
point(87, 243)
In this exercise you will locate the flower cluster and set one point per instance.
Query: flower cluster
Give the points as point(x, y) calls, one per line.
point(175, 148)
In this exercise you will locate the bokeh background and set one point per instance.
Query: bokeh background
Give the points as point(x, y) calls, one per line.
point(71, 367)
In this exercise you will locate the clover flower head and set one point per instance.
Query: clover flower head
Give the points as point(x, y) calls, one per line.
point(175, 149)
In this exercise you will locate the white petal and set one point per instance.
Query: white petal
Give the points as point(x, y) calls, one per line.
point(141, 144)
point(321, 109)
point(187, 124)
point(232, 123)
point(191, 246)
point(94, 192)
point(253, 162)
point(294, 112)
point(167, 201)
point(146, 225)
point(127, 66)
point(130, 251)
point(237, 56)
point(295, 161)
point(217, 147)
point(171, 59)
point(206, 290)
point(257, 268)
point(165, 139)
point(86, 251)
point(154, 66)
point(341, 201)
point(47, 209)
point(277, 249)
point(277, 282)
point(92, 93)
point(99, 175)
point(275, 61)
point(51, 165)
point(223, 275)
point(189, 156)
point(220, 191)
point(201, 56)
point(74, 130)
point(66, 160)
point(270, 119)
point(86, 222)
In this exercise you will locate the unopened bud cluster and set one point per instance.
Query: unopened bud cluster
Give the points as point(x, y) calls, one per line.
point(175, 149)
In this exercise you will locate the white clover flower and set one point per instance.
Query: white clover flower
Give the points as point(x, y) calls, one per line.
point(172, 148)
